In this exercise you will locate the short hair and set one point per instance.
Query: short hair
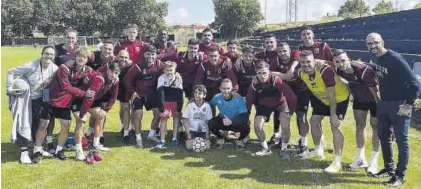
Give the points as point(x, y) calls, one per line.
point(270, 36)
point(213, 49)
point(200, 88)
point(338, 52)
point(48, 47)
point(306, 53)
point(262, 64)
point(160, 30)
point(171, 65)
point(114, 66)
point(134, 26)
point(207, 30)
point(226, 80)
point(232, 42)
point(70, 30)
point(283, 44)
point(306, 28)
point(193, 41)
point(150, 48)
point(83, 51)
point(248, 48)
point(108, 42)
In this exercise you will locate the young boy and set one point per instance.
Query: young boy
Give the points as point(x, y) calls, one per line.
point(196, 116)
point(170, 88)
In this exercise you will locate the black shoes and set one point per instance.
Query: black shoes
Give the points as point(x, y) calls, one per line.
point(395, 181)
point(384, 173)
point(37, 157)
point(60, 155)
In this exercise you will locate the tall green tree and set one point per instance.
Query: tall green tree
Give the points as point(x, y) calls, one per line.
point(353, 9)
point(417, 6)
point(234, 18)
point(384, 7)
point(48, 16)
point(16, 18)
point(147, 14)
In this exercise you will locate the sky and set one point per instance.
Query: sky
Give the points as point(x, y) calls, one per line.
point(201, 11)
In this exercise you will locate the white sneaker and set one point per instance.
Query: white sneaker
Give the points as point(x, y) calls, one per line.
point(46, 154)
point(264, 152)
point(139, 143)
point(24, 158)
point(80, 156)
point(153, 138)
point(334, 167)
point(358, 163)
point(323, 143)
point(313, 154)
point(372, 169)
point(101, 148)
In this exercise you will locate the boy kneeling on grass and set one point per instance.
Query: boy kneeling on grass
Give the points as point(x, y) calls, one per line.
point(170, 88)
point(195, 117)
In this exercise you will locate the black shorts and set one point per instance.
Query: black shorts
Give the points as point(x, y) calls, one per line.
point(266, 111)
point(321, 109)
point(188, 91)
point(195, 134)
point(149, 103)
point(102, 103)
point(48, 112)
point(366, 106)
point(303, 100)
point(76, 104)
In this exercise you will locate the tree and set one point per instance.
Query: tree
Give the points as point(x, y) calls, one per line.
point(16, 17)
point(417, 6)
point(384, 7)
point(235, 18)
point(354, 8)
point(147, 14)
point(48, 16)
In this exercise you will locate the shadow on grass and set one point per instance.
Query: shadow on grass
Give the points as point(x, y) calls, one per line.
point(9, 152)
point(269, 169)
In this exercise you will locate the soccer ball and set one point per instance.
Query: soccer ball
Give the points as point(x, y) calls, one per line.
point(199, 144)
point(20, 84)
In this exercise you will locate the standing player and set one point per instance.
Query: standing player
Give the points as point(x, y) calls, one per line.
point(245, 69)
point(207, 43)
point(320, 50)
point(330, 98)
point(102, 57)
point(131, 45)
point(271, 94)
point(233, 119)
point(37, 74)
point(270, 53)
point(196, 117)
point(285, 67)
point(126, 116)
point(212, 72)
point(232, 53)
point(66, 48)
point(105, 86)
point(165, 48)
point(61, 92)
point(140, 82)
point(170, 88)
point(363, 84)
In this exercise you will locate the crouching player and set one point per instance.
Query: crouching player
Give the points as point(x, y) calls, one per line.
point(105, 85)
point(170, 88)
point(233, 120)
point(196, 117)
point(271, 94)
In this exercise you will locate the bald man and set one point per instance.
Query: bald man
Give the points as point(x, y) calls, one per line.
point(398, 90)
point(123, 96)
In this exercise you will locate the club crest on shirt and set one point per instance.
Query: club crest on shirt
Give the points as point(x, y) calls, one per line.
point(316, 50)
point(125, 49)
point(219, 70)
point(204, 109)
point(137, 49)
point(144, 71)
point(341, 116)
point(208, 72)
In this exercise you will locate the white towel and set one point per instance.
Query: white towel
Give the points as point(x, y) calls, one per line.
point(21, 109)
